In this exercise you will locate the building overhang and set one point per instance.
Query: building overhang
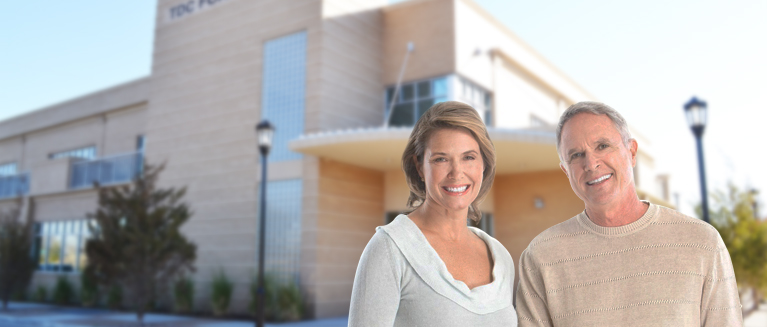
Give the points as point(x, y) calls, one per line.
point(517, 150)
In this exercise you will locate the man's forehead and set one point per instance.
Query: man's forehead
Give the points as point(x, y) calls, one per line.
point(589, 125)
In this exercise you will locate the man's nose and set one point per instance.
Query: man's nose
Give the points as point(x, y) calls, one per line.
point(591, 161)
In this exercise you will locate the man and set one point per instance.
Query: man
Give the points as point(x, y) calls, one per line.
point(622, 261)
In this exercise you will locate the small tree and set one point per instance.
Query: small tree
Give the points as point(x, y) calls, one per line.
point(221, 293)
point(745, 238)
point(137, 242)
point(183, 294)
point(16, 262)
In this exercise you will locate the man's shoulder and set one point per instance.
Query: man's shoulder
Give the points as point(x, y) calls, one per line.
point(677, 223)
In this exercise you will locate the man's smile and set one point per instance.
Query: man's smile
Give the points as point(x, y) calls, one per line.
point(600, 179)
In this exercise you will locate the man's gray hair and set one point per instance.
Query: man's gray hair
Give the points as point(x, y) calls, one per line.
point(596, 108)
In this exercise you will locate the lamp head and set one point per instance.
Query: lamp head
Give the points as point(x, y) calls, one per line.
point(696, 111)
point(265, 135)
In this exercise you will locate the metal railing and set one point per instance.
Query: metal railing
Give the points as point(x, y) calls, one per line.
point(14, 185)
point(109, 170)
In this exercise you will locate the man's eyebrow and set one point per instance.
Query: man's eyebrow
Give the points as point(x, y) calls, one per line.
point(571, 151)
point(603, 140)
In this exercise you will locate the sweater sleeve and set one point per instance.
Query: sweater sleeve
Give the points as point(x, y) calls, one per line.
point(376, 292)
point(720, 302)
point(532, 308)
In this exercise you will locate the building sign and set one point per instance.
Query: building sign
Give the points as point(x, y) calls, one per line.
point(187, 8)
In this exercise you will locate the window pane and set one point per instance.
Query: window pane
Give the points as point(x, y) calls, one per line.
point(8, 169)
point(283, 230)
point(424, 89)
point(424, 105)
point(407, 92)
point(402, 115)
point(70, 247)
point(283, 91)
point(42, 245)
point(55, 247)
point(440, 87)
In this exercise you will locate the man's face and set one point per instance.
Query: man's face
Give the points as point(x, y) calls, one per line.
point(596, 161)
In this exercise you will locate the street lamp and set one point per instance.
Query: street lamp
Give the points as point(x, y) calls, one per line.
point(696, 112)
point(264, 134)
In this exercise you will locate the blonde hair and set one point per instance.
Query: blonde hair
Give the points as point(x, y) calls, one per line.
point(447, 115)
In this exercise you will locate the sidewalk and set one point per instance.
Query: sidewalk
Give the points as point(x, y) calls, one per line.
point(758, 318)
point(44, 315)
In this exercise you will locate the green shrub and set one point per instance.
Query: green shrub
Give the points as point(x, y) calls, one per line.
point(89, 290)
point(63, 292)
point(283, 300)
point(183, 295)
point(41, 294)
point(115, 297)
point(221, 293)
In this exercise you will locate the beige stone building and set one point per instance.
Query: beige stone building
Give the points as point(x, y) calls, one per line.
point(324, 72)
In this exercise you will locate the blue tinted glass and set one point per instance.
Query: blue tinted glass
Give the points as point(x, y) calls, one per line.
point(439, 87)
point(283, 92)
point(283, 229)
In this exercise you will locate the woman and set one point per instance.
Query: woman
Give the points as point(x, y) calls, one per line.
point(427, 268)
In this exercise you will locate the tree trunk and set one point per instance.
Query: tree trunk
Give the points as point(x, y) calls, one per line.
point(140, 317)
point(5, 304)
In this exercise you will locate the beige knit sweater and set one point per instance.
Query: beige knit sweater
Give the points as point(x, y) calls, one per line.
point(665, 269)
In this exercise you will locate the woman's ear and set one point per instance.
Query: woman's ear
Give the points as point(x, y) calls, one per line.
point(418, 167)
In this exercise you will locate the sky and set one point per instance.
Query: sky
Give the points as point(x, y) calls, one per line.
point(644, 58)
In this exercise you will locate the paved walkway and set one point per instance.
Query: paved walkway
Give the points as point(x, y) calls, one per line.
point(758, 318)
point(44, 315)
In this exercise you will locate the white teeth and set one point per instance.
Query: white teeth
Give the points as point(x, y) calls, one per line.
point(599, 179)
point(457, 189)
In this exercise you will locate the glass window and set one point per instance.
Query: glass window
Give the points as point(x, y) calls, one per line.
point(283, 234)
point(414, 99)
point(407, 92)
point(283, 92)
point(60, 245)
point(8, 169)
point(440, 87)
point(402, 115)
point(475, 96)
point(84, 153)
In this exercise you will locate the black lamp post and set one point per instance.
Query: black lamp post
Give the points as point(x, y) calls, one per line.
point(696, 112)
point(265, 134)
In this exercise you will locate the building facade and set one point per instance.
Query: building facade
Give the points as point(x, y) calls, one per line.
point(338, 81)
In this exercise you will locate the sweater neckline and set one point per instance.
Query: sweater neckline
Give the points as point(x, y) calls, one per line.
point(644, 221)
point(416, 249)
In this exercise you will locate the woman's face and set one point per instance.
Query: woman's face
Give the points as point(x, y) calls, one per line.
point(452, 169)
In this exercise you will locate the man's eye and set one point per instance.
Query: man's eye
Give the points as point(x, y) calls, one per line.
point(576, 155)
point(603, 146)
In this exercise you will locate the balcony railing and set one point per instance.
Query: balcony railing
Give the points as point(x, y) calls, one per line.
point(14, 185)
point(105, 171)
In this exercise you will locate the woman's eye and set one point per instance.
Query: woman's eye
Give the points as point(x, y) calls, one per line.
point(469, 158)
point(440, 160)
